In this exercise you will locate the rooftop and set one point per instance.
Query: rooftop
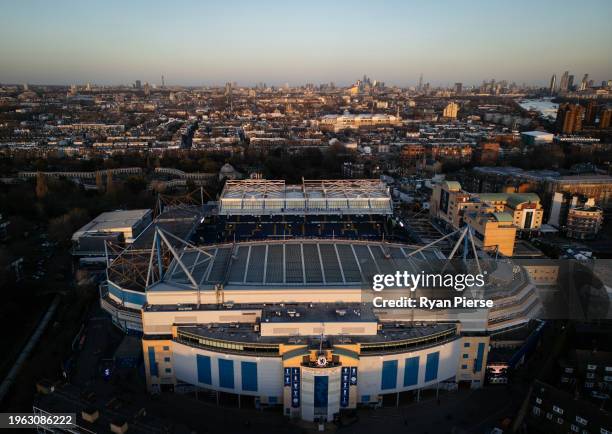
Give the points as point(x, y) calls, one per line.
point(256, 196)
point(113, 221)
point(295, 263)
point(245, 333)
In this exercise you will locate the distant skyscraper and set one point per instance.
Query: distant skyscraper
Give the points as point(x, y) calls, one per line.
point(563, 85)
point(458, 88)
point(553, 84)
point(138, 84)
point(570, 83)
point(585, 82)
point(420, 87)
point(569, 118)
point(162, 82)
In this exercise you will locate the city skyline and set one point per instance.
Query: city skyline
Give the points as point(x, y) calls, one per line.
point(195, 45)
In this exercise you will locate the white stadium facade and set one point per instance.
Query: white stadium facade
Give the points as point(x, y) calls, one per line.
point(284, 322)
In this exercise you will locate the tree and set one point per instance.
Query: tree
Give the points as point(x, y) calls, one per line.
point(99, 181)
point(41, 185)
point(110, 186)
point(61, 228)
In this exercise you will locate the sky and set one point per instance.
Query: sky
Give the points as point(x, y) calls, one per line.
point(202, 42)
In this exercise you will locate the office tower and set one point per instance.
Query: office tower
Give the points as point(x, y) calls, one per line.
point(458, 88)
point(163, 84)
point(553, 84)
point(569, 118)
point(585, 82)
point(420, 82)
point(570, 83)
point(137, 84)
point(563, 85)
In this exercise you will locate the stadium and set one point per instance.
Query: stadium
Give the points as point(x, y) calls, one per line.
point(260, 209)
point(285, 321)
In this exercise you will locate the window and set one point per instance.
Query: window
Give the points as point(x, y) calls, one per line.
point(605, 431)
point(574, 428)
point(167, 359)
point(166, 348)
point(389, 375)
point(411, 371)
point(226, 373)
point(249, 376)
point(581, 420)
point(589, 385)
point(466, 345)
point(560, 420)
point(591, 367)
point(152, 363)
point(590, 375)
point(168, 370)
point(465, 356)
point(464, 366)
point(558, 410)
point(204, 369)
point(549, 416)
point(431, 367)
point(539, 400)
point(536, 411)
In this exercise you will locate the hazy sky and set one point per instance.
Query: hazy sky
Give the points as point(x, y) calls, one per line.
point(199, 42)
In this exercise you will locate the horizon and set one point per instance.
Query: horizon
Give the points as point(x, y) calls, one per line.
point(195, 44)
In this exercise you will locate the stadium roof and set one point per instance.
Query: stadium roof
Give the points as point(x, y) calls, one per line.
point(258, 197)
point(292, 263)
point(113, 221)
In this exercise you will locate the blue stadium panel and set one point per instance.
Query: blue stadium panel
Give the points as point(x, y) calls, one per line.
point(321, 387)
point(115, 291)
point(204, 369)
point(249, 376)
point(226, 373)
point(431, 368)
point(411, 371)
point(127, 296)
point(152, 363)
point(389, 375)
point(134, 297)
point(479, 357)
